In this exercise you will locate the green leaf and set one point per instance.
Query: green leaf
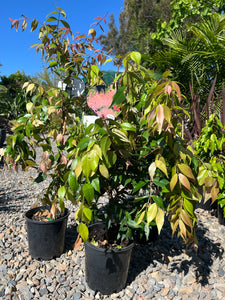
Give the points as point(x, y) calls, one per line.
point(96, 184)
point(162, 183)
point(119, 96)
point(88, 192)
point(136, 56)
point(86, 168)
point(83, 231)
point(53, 63)
point(93, 160)
point(41, 177)
point(34, 25)
point(83, 143)
point(28, 128)
point(128, 127)
point(139, 185)
point(72, 180)
point(30, 162)
point(88, 213)
point(65, 23)
point(159, 201)
point(51, 19)
point(61, 192)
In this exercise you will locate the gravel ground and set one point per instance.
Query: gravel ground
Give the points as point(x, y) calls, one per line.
point(163, 269)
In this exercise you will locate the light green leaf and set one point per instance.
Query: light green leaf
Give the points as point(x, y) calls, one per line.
point(140, 218)
point(61, 192)
point(88, 213)
point(136, 56)
point(83, 231)
point(159, 219)
point(162, 166)
point(152, 212)
point(104, 171)
point(173, 182)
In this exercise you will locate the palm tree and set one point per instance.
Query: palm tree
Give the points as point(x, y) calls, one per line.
point(197, 55)
point(196, 58)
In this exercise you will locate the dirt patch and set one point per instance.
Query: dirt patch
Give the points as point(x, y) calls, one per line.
point(45, 215)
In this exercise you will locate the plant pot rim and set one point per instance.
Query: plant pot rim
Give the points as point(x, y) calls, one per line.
point(33, 210)
point(123, 249)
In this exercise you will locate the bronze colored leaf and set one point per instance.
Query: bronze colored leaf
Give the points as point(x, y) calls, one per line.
point(182, 229)
point(184, 181)
point(160, 117)
point(186, 170)
point(214, 193)
point(77, 242)
point(186, 218)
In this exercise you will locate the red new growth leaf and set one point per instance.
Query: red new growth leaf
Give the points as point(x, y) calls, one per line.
point(67, 31)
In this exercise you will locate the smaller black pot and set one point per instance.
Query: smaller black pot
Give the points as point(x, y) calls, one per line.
point(2, 137)
point(221, 218)
point(46, 240)
point(106, 269)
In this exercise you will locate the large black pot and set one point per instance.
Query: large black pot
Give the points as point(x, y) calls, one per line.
point(45, 239)
point(106, 270)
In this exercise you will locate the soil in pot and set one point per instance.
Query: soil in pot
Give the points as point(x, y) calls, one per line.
point(106, 266)
point(46, 239)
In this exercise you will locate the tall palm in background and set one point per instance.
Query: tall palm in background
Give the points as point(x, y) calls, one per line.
point(196, 58)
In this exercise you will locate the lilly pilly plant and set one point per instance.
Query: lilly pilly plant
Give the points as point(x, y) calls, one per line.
point(140, 159)
point(210, 147)
point(48, 124)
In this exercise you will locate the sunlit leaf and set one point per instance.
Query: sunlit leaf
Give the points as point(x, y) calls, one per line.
point(151, 212)
point(173, 182)
point(83, 231)
point(186, 170)
point(159, 219)
point(184, 181)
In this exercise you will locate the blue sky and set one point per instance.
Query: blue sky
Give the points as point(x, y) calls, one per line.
point(15, 51)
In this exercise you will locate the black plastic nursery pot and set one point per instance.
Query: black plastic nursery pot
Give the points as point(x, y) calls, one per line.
point(106, 269)
point(46, 239)
point(221, 218)
point(2, 136)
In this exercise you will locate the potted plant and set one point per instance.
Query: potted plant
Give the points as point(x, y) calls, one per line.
point(142, 162)
point(51, 125)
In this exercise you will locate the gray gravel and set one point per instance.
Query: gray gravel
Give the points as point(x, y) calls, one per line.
point(163, 269)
